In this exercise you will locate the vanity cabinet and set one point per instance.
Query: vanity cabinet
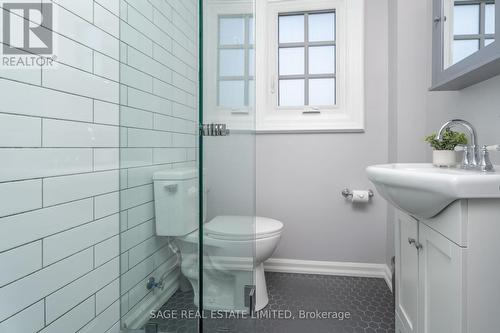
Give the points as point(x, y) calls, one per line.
point(448, 269)
point(440, 283)
point(407, 273)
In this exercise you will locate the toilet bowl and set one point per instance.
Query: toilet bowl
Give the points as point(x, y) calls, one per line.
point(234, 247)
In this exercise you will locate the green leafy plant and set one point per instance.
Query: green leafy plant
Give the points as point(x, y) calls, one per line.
point(450, 140)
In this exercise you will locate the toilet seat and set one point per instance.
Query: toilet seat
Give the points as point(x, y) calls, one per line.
point(242, 228)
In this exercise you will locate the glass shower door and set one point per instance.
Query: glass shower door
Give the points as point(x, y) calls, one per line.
point(187, 197)
point(159, 197)
point(227, 158)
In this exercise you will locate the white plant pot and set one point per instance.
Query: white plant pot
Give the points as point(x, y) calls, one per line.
point(444, 158)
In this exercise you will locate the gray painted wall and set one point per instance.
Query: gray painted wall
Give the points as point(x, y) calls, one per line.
point(407, 90)
point(300, 176)
point(479, 104)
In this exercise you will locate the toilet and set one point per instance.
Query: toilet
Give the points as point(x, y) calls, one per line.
point(235, 247)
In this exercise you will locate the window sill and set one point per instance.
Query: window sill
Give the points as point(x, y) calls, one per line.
point(308, 131)
point(333, 123)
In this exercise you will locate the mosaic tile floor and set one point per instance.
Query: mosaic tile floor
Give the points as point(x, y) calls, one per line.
point(367, 300)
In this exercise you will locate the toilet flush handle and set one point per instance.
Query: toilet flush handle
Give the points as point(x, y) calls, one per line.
point(172, 188)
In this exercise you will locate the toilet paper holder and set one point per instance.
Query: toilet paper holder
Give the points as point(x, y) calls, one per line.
point(347, 193)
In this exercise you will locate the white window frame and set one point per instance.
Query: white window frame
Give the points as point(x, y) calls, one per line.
point(348, 113)
point(242, 118)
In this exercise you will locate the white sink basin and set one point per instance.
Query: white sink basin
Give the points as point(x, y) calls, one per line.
point(423, 190)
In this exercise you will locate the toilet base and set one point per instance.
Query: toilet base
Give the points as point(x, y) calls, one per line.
point(261, 297)
point(219, 289)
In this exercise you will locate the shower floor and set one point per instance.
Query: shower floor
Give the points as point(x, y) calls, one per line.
point(368, 301)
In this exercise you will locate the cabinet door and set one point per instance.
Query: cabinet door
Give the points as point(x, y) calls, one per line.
point(406, 272)
point(440, 283)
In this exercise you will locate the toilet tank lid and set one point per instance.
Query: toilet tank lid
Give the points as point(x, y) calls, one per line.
point(176, 174)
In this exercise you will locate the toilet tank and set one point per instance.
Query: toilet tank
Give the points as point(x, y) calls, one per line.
point(176, 201)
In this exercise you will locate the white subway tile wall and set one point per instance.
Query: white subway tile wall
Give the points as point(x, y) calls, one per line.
point(158, 75)
point(79, 142)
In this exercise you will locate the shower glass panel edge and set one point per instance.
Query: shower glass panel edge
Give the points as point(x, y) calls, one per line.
point(227, 165)
point(201, 187)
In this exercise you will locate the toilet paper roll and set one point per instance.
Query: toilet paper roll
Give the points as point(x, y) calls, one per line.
point(360, 196)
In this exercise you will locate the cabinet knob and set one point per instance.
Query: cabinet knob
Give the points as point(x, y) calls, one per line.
point(413, 241)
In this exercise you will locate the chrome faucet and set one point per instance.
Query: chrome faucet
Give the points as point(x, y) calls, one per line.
point(471, 154)
point(485, 165)
point(474, 157)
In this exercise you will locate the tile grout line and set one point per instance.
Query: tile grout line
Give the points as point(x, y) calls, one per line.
point(60, 232)
point(105, 101)
point(154, 165)
point(41, 252)
point(44, 311)
point(116, 38)
point(172, 38)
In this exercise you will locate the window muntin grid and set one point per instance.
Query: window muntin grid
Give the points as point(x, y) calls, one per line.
point(243, 82)
point(306, 45)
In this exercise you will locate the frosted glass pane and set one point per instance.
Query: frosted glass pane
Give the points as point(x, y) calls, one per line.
point(291, 29)
point(251, 93)
point(292, 61)
point(232, 62)
point(232, 31)
point(322, 92)
point(488, 41)
point(251, 62)
point(466, 20)
point(490, 19)
point(292, 93)
point(322, 60)
point(464, 48)
point(251, 37)
point(232, 94)
point(322, 27)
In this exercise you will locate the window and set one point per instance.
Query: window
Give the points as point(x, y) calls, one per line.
point(304, 68)
point(306, 55)
point(312, 75)
point(229, 69)
point(236, 63)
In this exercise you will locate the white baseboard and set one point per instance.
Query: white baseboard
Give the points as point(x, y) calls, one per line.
point(139, 316)
point(381, 271)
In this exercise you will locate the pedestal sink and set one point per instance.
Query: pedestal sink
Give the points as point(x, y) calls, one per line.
point(423, 190)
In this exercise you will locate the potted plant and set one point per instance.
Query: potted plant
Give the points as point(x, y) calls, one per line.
point(444, 154)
